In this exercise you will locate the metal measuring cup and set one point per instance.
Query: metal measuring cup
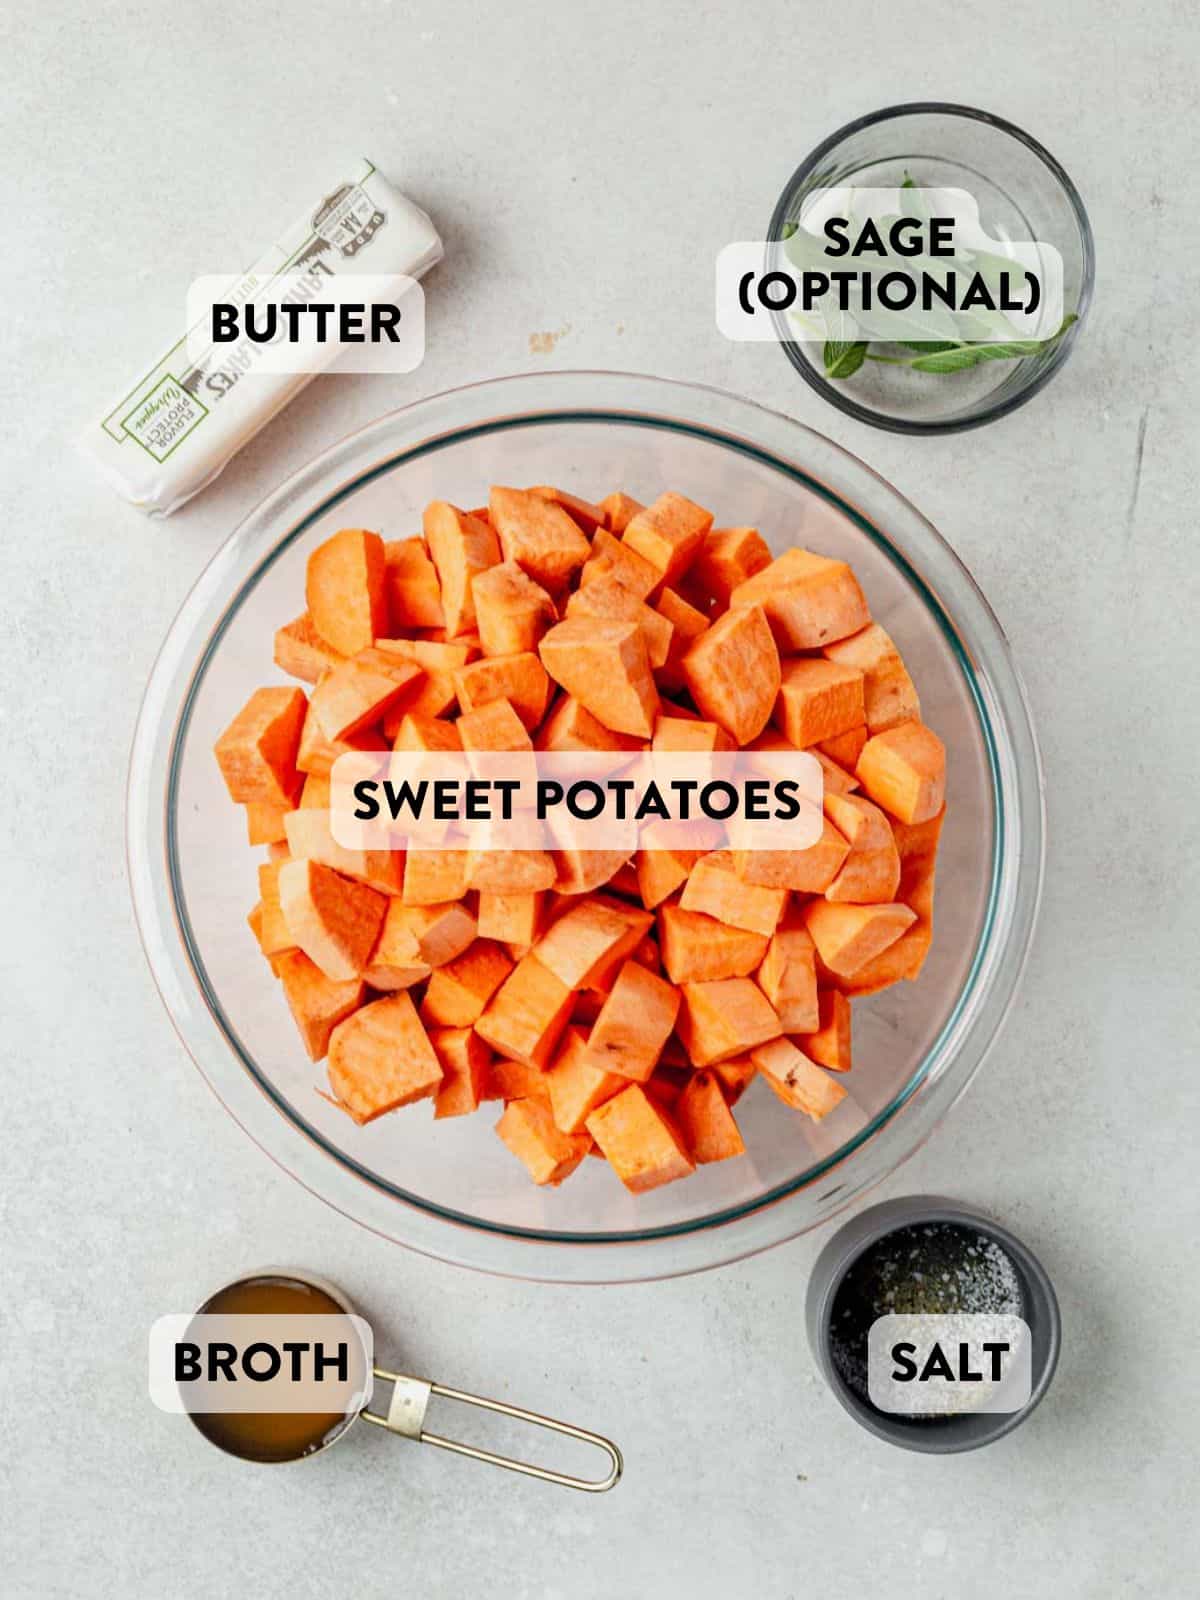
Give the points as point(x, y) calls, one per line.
point(410, 1400)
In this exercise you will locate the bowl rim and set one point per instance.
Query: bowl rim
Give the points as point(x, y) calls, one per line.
point(988, 413)
point(160, 906)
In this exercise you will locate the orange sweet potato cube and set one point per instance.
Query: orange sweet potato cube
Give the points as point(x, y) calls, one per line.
point(788, 978)
point(527, 1014)
point(434, 694)
point(714, 887)
point(576, 1083)
point(430, 934)
point(835, 778)
point(414, 594)
point(887, 688)
point(434, 734)
point(797, 1081)
point(301, 651)
point(357, 694)
point(511, 918)
point(464, 1060)
point(521, 680)
point(844, 749)
point(432, 877)
point(723, 1019)
point(669, 534)
point(735, 1077)
point(619, 510)
point(334, 920)
point(310, 838)
point(513, 871)
point(542, 538)
point(611, 561)
point(917, 845)
point(808, 871)
point(809, 600)
point(316, 1002)
point(728, 557)
point(871, 870)
point(462, 546)
point(380, 1058)
point(515, 1080)
point(495, 727)
point(584, 512)
point(704, 1119)
point(642, 1147)
point(698, 949)
point(634, 1023)
point(396, 961)
point(345, 590)
point(848, 936)
point(459, 990)
point(589, 942)
point(610, 600)
point(272, 932)
point(830, 1043)
point(818, 699)
point(689, 733)
point(604, 665)
point(316, 754)
point(530, 1132)
point(904, 770)
point(733, 674)
point(511, 610)
point(257, 752)
point(687, 623)
point(264, 822)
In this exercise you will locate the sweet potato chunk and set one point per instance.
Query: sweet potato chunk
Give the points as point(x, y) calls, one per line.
point(511, 918)
point(698, 949)
point(527, 1014)
point(715, 888)
point(844, 748)
point(515, 1080)
point(520, 679)
point(264, 822)
point(610, 600)
point(381, 1058)
point(611, 561)
point(705, 1120)
point(904, 771)
point(588, 943)
point(887, 688)
point(435, 734)
point(462, 547)
point(871, 870)
point(257, 752)
point(797, 1081)
point(642, 1147)
point(464, 1060)
point(604, 665)
point(723, 1019)
point(542, 538)
point(432, 877)
point(512, 611)
point(848, 936)
point(496, 727)
point(788, 978)
point(345, 590)
point(571, 727)
point(301, 651)
point(634, 1023)
point(809, 871)
point(830, 1043)
point(669, 534)
point(356, 694)
point(530, 1132)
point(817, 700)
point(396, 961)
point(334, 920)
point(727, 558)
point(689, 733)
point(435, 694)
point(577, 1084)
point(316, 1002)
point(410, 581)
point(619, 511)
point(809, 600)
point(459, 990)
point(310, 838)
point(316, 754)
point(733, 673)
point(688, 623)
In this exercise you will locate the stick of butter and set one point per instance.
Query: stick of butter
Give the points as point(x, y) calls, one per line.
point(170, 433)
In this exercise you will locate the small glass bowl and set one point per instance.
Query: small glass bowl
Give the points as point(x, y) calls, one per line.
point(452, 1190)
point(1022, 193)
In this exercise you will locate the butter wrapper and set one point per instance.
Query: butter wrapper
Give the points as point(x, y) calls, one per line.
point(170, 433)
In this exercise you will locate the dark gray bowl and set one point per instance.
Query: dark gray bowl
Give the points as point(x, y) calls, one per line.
point(966, 1432)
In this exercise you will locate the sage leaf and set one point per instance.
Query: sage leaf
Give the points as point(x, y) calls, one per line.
point(843, 358)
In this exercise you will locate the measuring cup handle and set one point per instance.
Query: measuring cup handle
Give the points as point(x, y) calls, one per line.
point(406, 1416)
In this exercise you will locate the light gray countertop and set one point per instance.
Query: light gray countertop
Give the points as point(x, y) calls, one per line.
point(585, 164)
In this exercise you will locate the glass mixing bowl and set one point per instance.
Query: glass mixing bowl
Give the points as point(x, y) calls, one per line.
point(452, 1190)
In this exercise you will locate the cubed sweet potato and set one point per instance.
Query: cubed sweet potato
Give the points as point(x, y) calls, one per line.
point(704, 1119)
point(612, 561)
point(570, 726)
point(788, 978)
point(848, 936)
point(733, 673)
point(464, 1060)
point(619, 510)
point(530, 1132)
point(723, 1019)
point(462, 546)
point(809, 600)
point(698, 949)
point(264, 822)
point(669, 534)
point(577, 1084)
point(830, 1044)
point(642, 1147)
point(808, 871)
point(316, 1002)
point(334, 920)
point(380, 1058)
point(301, 652)
point(588, 943)
point(888, 690)
point(345, 590)
point(414, 593)
point(904, 771)
point(511, 610)
point(634, 1023)
point(871, 870)
point(257, 752)
point(797, 1081)
point(542, 538)
point(459, 990)
point(609, 600)
point(714, 887)
point(728, 557)
point(604, 665)
point(310, 838)
point(818, 699)
point(511, 918)
point(357, 694)
point(527, 1014)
